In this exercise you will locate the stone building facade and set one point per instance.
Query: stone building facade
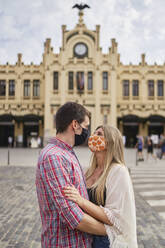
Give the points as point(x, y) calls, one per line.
point(131, 97)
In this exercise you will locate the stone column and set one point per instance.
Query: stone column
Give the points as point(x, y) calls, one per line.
point(47, 123)
point(143, 85)
point(143, 129)
point(143, 90)
point(40, 129)
point(121, 127)
point(19, 87)
point(98, 90)
point(18, 131)
point(63, 86)
point(113, 112)
point(7, 89)
point(31, 89)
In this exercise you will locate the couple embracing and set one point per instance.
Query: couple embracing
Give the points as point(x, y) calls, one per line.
point(95, 210)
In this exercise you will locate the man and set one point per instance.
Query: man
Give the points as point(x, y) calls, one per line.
point(139, 145)
point(64, 224)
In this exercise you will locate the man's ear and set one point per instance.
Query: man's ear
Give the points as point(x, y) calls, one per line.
point(74, 124)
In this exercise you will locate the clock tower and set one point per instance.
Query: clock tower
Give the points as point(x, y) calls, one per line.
point(80, 50)
point(80, 72)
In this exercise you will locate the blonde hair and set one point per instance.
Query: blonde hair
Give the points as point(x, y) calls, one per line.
point(114, 155)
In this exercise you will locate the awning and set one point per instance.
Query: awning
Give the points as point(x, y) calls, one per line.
point(131, 123)
point(28, 118)
point(6, 118)
point(156, 118)
point(130, 120)
point(156, 124)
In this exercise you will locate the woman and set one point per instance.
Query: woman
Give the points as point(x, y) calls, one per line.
point(110, 190)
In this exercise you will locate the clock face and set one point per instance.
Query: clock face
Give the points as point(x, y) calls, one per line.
point(80, 49)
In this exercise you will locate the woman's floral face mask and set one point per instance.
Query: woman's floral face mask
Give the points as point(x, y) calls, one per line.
point(96, 143)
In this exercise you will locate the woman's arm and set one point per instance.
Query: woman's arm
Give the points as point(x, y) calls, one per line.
point(93, 210)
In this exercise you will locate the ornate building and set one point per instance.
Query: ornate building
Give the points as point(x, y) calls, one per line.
point(131, 97)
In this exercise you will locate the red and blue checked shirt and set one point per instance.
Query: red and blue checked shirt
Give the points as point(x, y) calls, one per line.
point(57, 167)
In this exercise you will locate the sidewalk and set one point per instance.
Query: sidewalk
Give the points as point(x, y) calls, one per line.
point(19, 214)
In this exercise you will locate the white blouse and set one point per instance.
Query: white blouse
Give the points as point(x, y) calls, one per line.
point(120, 208)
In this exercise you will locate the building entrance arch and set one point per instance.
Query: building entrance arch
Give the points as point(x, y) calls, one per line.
point(130, 129)
point(6, 130)
point(30, 130)
point(156, 124)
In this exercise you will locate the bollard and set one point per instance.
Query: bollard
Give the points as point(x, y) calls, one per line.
point(129, 170)
point(8, 157)
point(136, 158)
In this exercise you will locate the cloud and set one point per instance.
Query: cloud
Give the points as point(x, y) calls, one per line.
point(147, 2)
point(8, 30)
point(138, 27)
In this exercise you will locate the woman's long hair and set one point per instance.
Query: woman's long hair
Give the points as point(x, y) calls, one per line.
point(114, 155)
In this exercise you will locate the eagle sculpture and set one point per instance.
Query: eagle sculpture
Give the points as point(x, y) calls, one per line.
point(81, 6)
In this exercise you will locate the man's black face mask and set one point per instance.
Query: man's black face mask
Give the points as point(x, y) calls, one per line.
point(81, 138)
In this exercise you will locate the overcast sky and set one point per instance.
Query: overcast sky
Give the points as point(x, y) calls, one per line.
point(137, 25)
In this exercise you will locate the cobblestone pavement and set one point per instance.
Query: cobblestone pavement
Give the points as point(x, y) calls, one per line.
point(19, 213)
point(20, 220)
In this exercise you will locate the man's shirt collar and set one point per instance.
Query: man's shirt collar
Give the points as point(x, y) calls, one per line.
point(60, 143)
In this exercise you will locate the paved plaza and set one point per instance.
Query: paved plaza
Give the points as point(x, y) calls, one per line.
point(20, 223)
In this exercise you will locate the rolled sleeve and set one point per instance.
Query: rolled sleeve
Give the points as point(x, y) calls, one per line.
point(55, 174)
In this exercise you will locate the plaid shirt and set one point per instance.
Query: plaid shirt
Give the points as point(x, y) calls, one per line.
point(57, 167)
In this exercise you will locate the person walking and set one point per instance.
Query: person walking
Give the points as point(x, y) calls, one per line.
point(110, 191)
point(10, 141)
point(162, 146)
point(64, 223)
point(139, 145)
point(150, 148)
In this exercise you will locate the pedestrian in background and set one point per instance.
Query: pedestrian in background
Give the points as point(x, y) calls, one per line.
point(162, 146)
point(150, 148)
point(39, 141)
point(139, 145)
point(10, 141)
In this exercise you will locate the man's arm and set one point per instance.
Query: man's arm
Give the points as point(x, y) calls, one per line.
point(90, 208)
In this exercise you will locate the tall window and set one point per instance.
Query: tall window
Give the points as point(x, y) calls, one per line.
point(36, 88)
point(125, 87)
point(90, 80)
point(80, 80)
point(27, 88)
point(2, 87)
point(135, 88)
point(70, 82)
point(151, 88)
point(160, 88)
point(55, 80)
point(105, 80)
point(11, 88)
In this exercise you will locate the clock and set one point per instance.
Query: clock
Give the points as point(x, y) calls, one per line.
point(80, 50)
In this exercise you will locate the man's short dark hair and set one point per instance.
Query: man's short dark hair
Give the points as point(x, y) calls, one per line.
point(67, 113)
